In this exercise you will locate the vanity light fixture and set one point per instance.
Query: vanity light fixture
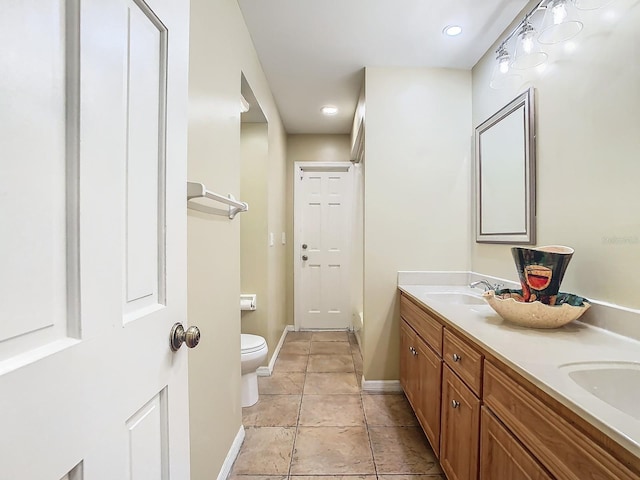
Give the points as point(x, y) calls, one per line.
point(452, 30)
point(503, 75)
point(329, 110)
point(528, 52)
point(560, 23)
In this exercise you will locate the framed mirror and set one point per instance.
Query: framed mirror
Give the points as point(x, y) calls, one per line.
point(505, 169)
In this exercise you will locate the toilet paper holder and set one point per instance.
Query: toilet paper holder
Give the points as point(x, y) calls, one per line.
point(247, 301)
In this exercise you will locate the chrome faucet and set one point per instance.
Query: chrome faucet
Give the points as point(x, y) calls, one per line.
point(488, 286)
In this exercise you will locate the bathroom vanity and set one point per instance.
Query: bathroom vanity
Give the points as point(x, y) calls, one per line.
point(498, 402)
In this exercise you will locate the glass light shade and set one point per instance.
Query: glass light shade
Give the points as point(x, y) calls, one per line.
point(560, 22)
point(528, 53)
point(590, 4)
point(503, 76)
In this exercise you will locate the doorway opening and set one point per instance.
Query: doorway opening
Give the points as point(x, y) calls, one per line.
point(323, 225)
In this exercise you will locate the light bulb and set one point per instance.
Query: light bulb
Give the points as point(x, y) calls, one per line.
point(527, 43)
point(504, 65)
point(528, 53)
point(559, 11)
point(560, 22)
point(503, 76)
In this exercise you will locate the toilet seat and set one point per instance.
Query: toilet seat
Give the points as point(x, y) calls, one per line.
point(251, 343)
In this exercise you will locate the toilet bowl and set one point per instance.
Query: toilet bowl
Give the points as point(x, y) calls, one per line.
point(253, 354)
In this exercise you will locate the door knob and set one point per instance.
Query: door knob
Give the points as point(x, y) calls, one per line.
point(304, 246)
point(455, 403)
point(179, 336)
point(305, 258)
point(456, 357)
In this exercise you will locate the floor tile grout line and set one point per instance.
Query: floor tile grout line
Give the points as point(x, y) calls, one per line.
point(373, 457)
point(295, 434)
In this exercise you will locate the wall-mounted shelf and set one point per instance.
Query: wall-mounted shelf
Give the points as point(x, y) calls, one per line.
point(198, 190)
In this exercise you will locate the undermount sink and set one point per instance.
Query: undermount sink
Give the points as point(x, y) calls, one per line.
point(615, 383)
point(458, 298)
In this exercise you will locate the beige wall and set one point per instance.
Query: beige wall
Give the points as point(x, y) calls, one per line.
point(277, 212)
point(307, 148)
point(261, 265)
point(417, 180)
point(254, 146)
point(318, 148)
point(221, 49)
point(588, 148)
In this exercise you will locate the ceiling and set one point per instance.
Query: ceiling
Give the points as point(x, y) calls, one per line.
point(313, 51)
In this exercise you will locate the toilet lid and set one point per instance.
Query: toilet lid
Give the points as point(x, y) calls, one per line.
point(251, 343)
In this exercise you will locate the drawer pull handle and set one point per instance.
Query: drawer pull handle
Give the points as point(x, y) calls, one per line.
point(456, 357)
point(455, 403)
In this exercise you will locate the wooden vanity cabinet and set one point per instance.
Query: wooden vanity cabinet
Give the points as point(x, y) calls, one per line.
point(491, 423)
point(421, 367)
point(558, 443)
point(420, 377)
point(502, 456)
point(460, 434)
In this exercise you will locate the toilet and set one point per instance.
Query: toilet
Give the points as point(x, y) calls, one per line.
point(253, 354)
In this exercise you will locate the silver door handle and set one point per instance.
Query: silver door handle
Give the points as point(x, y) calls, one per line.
point(179, 335)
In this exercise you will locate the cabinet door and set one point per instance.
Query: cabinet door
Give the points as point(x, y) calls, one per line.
point(460, 435)
point(429, 380)
point(502, 457)
point(407, 363)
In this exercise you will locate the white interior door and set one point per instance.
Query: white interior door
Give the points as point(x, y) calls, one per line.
point(93, 102)
point(322, 225)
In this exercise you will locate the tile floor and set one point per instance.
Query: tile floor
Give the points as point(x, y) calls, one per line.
point(312, 422)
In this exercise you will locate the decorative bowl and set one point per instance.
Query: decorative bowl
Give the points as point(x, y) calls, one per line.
point(509, 304)
point(541, 270)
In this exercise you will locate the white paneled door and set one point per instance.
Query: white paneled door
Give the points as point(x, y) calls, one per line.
point(93, 116)
point(322, 225)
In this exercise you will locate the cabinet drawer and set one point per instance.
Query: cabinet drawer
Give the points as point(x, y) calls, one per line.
point(562, 449)
point(427, 327)
point(464, 360)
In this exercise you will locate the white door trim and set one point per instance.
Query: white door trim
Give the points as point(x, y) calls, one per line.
point(299, 169)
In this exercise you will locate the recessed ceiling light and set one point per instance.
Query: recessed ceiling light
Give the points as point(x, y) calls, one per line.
point(452, 30)
point(329, 110)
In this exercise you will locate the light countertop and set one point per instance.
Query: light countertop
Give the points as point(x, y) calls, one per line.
point(539, 355)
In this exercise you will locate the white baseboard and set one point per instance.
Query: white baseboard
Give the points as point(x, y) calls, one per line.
point(232, 454)
point(268, 370)
point(358, 339)
point(381, 386)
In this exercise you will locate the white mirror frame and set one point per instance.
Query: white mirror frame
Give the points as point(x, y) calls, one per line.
point(491, 224)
